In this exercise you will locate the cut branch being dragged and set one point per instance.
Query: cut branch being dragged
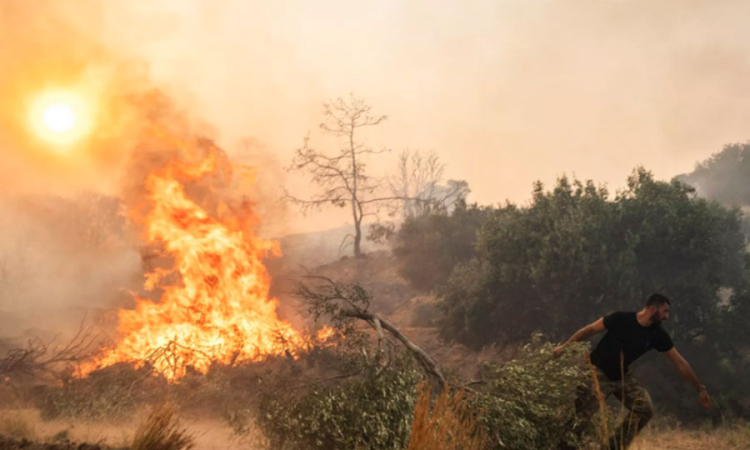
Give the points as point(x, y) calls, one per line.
point(341, 303)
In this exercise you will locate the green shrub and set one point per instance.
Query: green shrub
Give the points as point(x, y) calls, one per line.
point(528, 403)
point(429, 246)
point(372, 410)
point(575, 254)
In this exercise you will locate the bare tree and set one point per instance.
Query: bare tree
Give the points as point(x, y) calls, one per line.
point(417, 183)
point(342, 175)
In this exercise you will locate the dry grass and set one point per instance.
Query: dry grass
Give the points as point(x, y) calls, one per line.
point(162, 430)
point(447, 426)
point(605, 418)
point(216, 435)
point(21, 425)
point(602, 430)
point(729, 437)
point(210, 433)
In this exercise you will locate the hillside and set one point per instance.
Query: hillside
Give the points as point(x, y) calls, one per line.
point(412, 312)
point(321, 247)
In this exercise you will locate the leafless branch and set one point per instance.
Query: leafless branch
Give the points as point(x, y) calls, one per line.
point(418, 184)
point(341, 175)
point(40, 357)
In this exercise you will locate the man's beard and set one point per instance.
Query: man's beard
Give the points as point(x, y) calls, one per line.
point(655, 320)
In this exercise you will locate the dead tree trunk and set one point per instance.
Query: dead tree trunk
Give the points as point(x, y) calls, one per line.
point(357, 239)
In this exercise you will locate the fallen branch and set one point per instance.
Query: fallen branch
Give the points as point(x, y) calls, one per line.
point(376, 322)
point(341, 303)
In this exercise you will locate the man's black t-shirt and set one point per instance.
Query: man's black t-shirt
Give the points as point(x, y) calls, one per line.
point(625, 335)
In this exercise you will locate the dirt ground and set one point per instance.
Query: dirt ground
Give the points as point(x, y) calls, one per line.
point(16, 425)
point(26, 424)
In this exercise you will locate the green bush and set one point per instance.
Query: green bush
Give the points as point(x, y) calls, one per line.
point(372, 410)
point(574, 255)
point(429, 246)
point(527, 403)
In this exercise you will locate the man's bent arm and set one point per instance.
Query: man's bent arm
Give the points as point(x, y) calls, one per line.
point(584, 333)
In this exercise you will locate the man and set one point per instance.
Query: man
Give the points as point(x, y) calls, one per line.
point(629, 335)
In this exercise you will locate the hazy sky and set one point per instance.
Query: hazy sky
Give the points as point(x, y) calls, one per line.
point(507, 92)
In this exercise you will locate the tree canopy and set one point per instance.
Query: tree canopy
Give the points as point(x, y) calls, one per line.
point(574, 255)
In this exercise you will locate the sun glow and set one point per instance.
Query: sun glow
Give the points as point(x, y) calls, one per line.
point(61, 118)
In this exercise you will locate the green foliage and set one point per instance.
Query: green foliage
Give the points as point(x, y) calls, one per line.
point(684, 246)
point(330, 300)
point(574, 255)
point(720, 357)
point(381, 232)
point(430, 245)
point(527, 403)
point(369, 410)
point(735, 311)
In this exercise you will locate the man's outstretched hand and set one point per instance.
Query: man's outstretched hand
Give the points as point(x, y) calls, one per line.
point(557, 351)
point(705, 398)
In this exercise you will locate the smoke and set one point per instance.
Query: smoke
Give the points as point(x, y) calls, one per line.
point(69, 241)
point(506, 92)
point(724, 176)
point(60, 257)
point(65, 245)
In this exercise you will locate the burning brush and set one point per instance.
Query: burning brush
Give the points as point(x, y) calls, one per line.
point(215, 305)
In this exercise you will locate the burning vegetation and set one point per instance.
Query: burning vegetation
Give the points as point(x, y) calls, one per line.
point(214, 305)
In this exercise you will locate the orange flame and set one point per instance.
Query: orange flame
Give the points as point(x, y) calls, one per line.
point(218, 309)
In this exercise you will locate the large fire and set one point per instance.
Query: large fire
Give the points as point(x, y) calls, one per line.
point(215, 305)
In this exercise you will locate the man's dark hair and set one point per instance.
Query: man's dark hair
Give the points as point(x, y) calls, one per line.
point(657, 300)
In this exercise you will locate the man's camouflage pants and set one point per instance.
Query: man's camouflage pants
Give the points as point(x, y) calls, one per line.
point(630, 393)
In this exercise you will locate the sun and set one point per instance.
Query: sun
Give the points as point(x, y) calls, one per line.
point(61, 118)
